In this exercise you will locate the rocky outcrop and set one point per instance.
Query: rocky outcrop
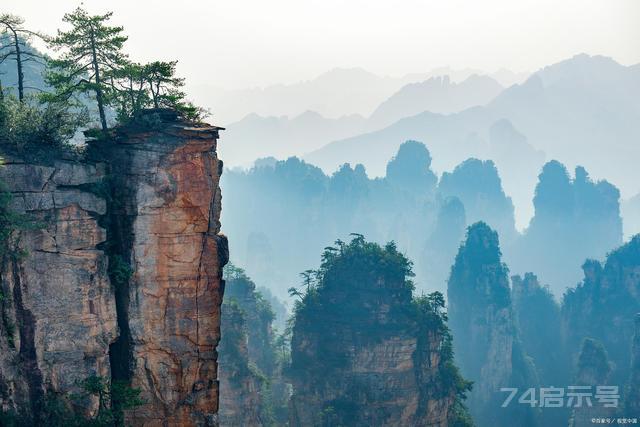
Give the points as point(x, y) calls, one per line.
point(486, 340)
point(121, 275)
point(165, 228)
point(632, 400)
point(240, 385)
point(252, 387)
point(604, 306)
point(538, 319)
point(593, 370)
point(58, 308)
point(364, 352)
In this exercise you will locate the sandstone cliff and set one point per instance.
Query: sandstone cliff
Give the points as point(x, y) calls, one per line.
point(241, 402)
point(58, 307)
point(122, 276)
point(364, 352)
point(487, 344)
point(252, 388)
point(604, 305)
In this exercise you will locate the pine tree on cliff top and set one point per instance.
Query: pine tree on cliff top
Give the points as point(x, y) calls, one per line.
point(91, 49)
point(357, 302)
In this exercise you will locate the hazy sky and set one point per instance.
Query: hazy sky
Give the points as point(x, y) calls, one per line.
point(240, 43)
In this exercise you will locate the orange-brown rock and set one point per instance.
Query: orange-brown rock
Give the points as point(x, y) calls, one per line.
point(120, 276)
point(166, 227)
point(58, 308)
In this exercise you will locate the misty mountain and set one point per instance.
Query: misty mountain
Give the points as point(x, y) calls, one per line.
point(438, 95)
point(631, 213)
point(584, 110)
point(336, 93)
point(282, 136)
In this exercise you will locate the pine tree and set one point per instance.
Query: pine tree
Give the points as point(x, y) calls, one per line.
point(91, 50)
point(14, 47)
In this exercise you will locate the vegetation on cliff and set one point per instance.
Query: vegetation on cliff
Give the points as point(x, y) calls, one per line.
point(604, 305)
point(487, 341)
point(51, 97)
point(575, 219)
point(356, 304)
point(253, 390)
point(407, 205)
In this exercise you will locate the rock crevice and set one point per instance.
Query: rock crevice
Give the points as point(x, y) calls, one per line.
point(123, 274)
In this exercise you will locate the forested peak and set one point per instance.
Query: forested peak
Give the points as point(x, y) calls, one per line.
point(592, 270)
point(526, 284)
point(559, 195)
point(360, 263)
point(349, 182)
point(347, 173)
point(472, 176)
point(411, 166)
point(239, 285)
point(627, 255)
point(478, 273)
point(265, 162)
point(481, 246)
point(554, 172)
point(292, 174)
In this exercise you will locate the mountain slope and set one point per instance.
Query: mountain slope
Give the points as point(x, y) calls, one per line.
point(584, 110)
point(257, 136)
point(438, 95)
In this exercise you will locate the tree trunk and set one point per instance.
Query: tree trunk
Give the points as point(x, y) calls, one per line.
point(16, 45)
point(99, 95)
point(19, 63)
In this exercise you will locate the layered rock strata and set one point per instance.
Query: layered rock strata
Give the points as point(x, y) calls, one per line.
point(122, 276)
point(58, 307)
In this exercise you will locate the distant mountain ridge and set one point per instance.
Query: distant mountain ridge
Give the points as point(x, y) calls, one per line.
point(438, 95)
point(335, 93)
point(584, 110)
point(282, 136)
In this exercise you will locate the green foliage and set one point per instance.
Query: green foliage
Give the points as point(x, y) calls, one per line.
point(32, 125)
point(11, 223)
point(478, 274)
point(119, 271)
point(459, 416)
point(90, 50)
point(362, 293)
point(114, 398)
point(91, 61)
point(134, 87)
point(57, 410)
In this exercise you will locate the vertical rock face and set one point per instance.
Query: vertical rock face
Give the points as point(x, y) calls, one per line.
point(574, 219)
point(364, 352)
point(252, 388)
point(165, 227)
point(482, 322)
point(538, 318)
point(593, 370)
point(118, 275)
point(604, 305)
point(58, 308)
point(632, 404)
point(240, 386)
